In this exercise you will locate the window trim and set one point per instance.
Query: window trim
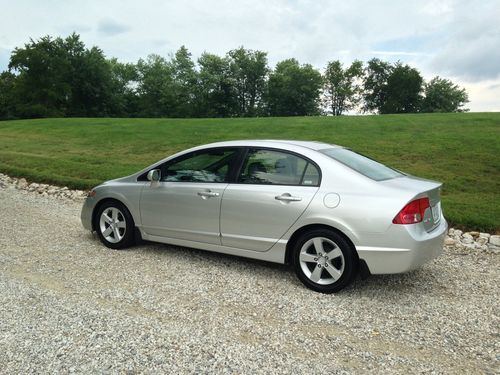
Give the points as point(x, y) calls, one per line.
point(230, 172)
point(305, 158)
point(235, 169)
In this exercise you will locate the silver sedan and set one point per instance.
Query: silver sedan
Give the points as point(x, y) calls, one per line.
point(326, 210)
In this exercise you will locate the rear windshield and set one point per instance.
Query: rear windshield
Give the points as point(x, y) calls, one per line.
point(366, 166)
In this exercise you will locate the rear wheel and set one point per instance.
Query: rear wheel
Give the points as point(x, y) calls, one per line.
point(324, 261)
point(114, 225)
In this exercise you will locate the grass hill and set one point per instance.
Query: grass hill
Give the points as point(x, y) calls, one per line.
point(461, 150)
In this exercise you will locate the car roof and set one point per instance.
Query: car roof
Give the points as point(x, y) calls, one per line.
point(313, 145)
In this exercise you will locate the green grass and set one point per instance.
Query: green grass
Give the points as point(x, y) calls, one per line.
point(461, 150)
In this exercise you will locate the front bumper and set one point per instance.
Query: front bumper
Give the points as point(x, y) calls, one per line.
point(413, 247)
point(86, 214)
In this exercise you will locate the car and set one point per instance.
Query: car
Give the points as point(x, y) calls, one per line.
point(327, 211)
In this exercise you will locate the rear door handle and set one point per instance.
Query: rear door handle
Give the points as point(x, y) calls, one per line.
point(208, 194)
point(287, 198)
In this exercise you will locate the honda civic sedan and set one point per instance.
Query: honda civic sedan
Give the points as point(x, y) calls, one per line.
point(326, 210)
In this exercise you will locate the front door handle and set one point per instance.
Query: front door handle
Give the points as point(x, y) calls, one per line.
point(208, 194)
point(287, 198)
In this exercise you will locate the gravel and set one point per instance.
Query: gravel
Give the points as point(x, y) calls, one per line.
point(69, 305)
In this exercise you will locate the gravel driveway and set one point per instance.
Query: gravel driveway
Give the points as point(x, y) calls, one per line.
point(67, 304)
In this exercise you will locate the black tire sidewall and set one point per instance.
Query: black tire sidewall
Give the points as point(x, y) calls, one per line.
point(350, 261)
point(128, 238)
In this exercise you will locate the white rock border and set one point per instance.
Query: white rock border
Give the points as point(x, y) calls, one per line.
point(472, 241)
point(42, 189)
point(457, 239)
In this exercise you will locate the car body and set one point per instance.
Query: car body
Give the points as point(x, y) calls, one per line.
point(264, 199)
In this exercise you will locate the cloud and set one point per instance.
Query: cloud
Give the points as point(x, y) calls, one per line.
point(399, 53)
point(471, 50)
point(109, 27)
point(483, 95)
point(77, 28)
point(456, 39)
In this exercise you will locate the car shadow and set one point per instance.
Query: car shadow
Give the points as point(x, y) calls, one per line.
point(374, 286)
point(210, 256)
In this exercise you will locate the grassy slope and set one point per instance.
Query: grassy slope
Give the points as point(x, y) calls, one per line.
point(462, 150)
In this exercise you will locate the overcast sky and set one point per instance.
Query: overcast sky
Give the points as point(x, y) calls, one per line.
point(456, 39)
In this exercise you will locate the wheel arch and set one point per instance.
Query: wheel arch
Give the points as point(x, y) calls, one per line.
point(306, 228)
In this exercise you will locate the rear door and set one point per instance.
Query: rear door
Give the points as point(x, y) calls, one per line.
point(273, 189)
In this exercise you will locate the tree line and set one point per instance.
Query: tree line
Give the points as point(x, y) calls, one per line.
point(61, 77)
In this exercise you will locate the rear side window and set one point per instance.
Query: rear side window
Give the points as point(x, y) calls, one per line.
point(311, 176)
point(362, 164)
point(273, 167)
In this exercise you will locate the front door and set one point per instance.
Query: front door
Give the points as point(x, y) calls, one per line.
point(185, 203)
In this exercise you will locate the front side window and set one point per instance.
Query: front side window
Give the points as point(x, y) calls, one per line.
point(277, 168)
point(201, 166)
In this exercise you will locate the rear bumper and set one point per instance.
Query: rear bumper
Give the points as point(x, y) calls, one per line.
point(412, 248)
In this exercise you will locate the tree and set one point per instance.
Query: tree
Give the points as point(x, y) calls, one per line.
point(58, 77)
point(403, 90)
point(41, 89)
point(249, 72)
point(124, 80)
point(342, 88)
point(167, 88)
point(442, 95)
point(216, 93)
point(375, 84)
point(55, 77)
point(294, 89)
point(7, 82)
point(91, 85)
point(184, 83)
point(155, 82)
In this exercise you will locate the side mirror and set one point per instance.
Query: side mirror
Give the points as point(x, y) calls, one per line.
point(154, 175)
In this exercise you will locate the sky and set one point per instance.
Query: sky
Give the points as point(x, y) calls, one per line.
point(455, 39)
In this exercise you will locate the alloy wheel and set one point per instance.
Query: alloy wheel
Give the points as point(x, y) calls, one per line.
point(112, 225)
point(321, 260)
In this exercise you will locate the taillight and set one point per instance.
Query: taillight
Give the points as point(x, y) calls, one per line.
point(413, 212)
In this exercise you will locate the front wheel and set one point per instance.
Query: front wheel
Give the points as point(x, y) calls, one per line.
point(324, 261)
point(114, 225)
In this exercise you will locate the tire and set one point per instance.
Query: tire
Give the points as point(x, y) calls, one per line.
point(114, 225)
point(324, 261)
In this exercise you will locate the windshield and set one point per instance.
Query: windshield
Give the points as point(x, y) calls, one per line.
point(366, 166)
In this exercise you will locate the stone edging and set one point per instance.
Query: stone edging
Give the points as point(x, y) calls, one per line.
point(42, 189)
point(472, 241)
